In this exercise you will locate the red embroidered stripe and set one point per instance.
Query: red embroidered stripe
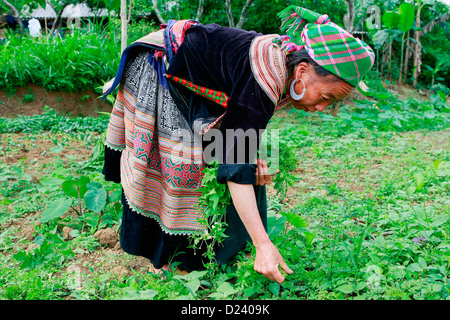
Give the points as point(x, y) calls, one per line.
point(216, 96)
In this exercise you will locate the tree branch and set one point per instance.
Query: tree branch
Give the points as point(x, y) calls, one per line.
point(349, 18)
point(58, 15)
point(201, 4)
point(129, 11)
point(229, 13)
point(158, 13)
point(244, 13)
point(16, 15)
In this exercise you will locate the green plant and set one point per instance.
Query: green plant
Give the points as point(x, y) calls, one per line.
point(51, 251)
point(213, 203)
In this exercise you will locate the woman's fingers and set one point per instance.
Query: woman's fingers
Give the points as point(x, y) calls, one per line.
point(262, 173)
point(258, 172)
point(265, 172)
point(277, 275)
point(267, 263)
point(286, 268)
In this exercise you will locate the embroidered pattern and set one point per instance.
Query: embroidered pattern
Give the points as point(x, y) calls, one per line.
point(160, 180)
point(268, 63)
point(216, 96)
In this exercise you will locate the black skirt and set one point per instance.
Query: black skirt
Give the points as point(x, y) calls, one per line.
point(142, 236)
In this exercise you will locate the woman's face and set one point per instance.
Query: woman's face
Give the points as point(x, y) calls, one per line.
point(321, 91)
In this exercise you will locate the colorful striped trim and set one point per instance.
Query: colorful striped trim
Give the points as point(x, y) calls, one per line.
point(268, 63)
point(219, 97)
point(154, 39)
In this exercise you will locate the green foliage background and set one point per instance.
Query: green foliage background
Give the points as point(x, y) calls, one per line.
point(383, 239)
point(92, 54)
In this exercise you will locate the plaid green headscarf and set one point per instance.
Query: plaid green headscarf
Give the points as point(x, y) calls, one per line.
point(333, 48)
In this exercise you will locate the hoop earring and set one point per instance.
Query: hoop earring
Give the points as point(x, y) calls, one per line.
point(297, 96)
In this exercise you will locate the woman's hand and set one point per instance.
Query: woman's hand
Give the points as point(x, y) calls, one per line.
point(262, 173)
point(267, 257)
point(268, 260)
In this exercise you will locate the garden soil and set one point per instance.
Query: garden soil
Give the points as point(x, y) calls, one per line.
point(31, 100)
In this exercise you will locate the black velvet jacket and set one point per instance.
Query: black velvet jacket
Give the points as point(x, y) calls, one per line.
point(217, 57)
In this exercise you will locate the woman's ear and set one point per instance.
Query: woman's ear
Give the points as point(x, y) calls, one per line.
point(301, 69)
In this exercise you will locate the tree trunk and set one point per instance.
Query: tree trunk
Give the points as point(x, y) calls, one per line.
point(229, 13)
point(125, 20)
point(242, 18)
point(201, 5)
point(158, 13)
point(15, 15)
point(57, 20)
point(349, 18)
point(417, 49)
point(407, 55)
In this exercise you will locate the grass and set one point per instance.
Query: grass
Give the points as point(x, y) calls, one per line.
point(365, 214)
point(91, 55)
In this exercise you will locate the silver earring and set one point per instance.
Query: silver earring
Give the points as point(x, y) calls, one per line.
point(297, 96)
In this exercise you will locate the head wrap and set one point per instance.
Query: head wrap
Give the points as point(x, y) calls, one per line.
point(330, 46)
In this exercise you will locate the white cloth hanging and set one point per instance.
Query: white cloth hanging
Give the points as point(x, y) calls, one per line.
point(35, 27)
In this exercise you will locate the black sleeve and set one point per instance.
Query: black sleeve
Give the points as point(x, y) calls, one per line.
point(242, 173)
point(248, 119)
point(111, 168)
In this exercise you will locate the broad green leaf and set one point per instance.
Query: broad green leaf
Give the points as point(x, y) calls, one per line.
point(439, 220)
point(309, 237)
point(390, 19)
point(411, 189)
point(393, 216)
point(407, 16)
point(375, 269)
point(95, 199)
point(56, 149)
point(361, 285)
point(192, 275)
point(414, 267)
point(131, 294)
point(422, 263)
point(147, 294)
point(436, 163)
point(428, 2)
point(115, 196)
point(274, 288)
point(56, 209)
point(275, 226)
point(436, 287)
point(193, 285)
point(251, 291)
point(227, 289)
point(71, 187)
point(429, 115)
point(397, 272)
point(74, 233)
point(345, 288)
point(215, 198)
point(419, 180)
point(442, 96)
point(420, 212)
point(295, 220)
point(379, 38)
point(94, 185)
point(39, 240)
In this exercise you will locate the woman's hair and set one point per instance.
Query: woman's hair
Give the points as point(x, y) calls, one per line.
point(294, 58)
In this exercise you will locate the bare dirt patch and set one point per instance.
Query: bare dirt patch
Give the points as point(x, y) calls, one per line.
point(85, 103)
